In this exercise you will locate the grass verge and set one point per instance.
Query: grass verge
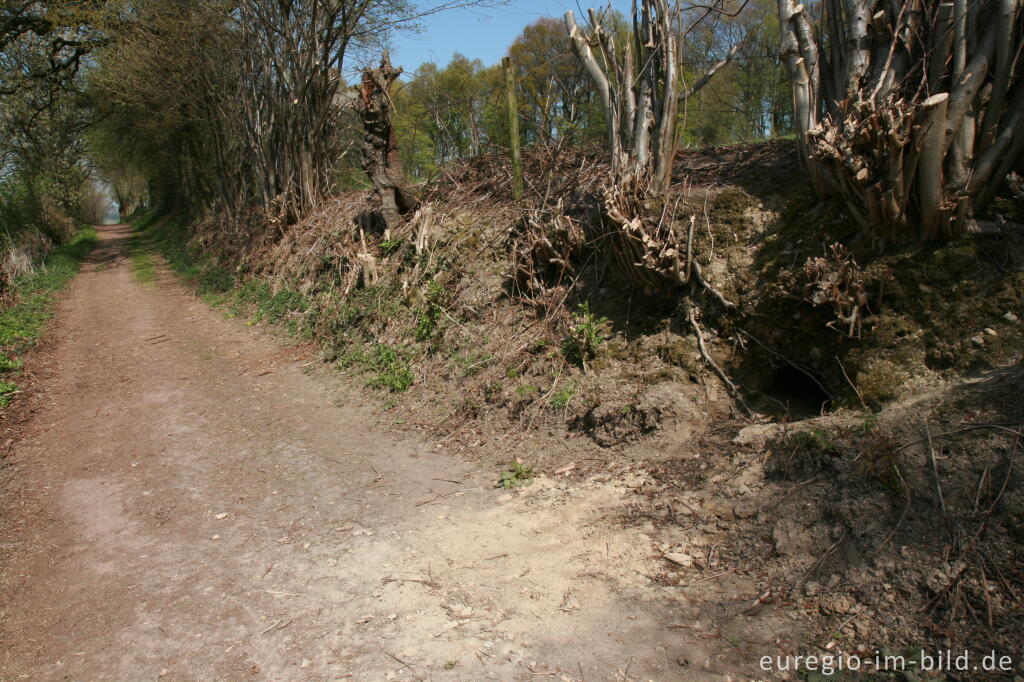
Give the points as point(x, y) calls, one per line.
point(215, 284)
point(21, 324)
point(386, 367)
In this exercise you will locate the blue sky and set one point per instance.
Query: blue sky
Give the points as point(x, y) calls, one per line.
point(480, 33)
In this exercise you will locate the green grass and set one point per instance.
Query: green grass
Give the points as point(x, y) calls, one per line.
point(21, 324)
point(387, 365)
point(168, 238)
point(143, 264)
point(219, 286)
point(561, 398)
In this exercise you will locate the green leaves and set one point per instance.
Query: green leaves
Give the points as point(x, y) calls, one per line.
point(7, 389)
point(585, 335)
point(517, 475)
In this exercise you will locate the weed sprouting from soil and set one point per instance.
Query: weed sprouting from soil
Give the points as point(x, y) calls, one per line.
point(517, 475)
point(585, 335)
point(389, 367)
point(561, 398)
point(427, 317)
point(7, 390)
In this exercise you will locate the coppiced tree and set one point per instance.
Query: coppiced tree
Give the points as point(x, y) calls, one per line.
point(642, 90)
point(913, 111)
point(381, 159)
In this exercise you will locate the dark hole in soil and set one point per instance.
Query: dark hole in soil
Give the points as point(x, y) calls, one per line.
point(802, 395)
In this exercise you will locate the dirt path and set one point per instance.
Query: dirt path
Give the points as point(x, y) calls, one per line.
point(187, 504)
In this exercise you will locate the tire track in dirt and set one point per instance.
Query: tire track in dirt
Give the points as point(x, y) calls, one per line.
point(187, 504)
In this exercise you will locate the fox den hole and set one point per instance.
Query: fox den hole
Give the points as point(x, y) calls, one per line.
point(803, 396)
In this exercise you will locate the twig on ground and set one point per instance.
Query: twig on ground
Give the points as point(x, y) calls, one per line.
point(278, 625)
point(970, 427)
point(447, 494)
point(938, 485)
point(764, 598)
point(903, 515)
point(411, 669)
point(428, 583)
point(435, 499)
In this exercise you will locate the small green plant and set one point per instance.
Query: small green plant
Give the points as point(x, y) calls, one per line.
point(7, 389)
point(10, 364)
point(517, 475)
point(427, 317)
point(450, 665)
point(390, 246)
point(526, 390)
point(585, 335)
point(392, 371)
point(561, 398)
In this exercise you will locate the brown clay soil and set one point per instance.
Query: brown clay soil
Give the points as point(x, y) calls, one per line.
point(186, 503)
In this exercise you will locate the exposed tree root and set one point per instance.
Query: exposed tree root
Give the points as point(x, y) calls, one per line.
point(733, 389)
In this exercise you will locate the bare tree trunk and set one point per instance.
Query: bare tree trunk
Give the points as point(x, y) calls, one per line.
point(381, 159)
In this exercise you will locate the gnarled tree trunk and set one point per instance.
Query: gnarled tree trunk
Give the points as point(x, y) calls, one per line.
point(381, 159)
